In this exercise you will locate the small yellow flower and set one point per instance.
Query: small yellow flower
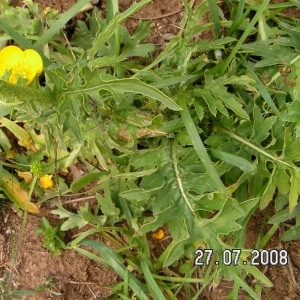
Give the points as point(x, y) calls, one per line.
point(46, 181)
point(159, 234)
point(24, 65)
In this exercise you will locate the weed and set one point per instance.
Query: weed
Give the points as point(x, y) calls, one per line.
point(197, 140)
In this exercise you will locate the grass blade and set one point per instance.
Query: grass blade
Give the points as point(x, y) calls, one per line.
point(238, 18)
point(263, 91)
point(113, 261)
point(198, 145)
point(238, 45)
point(153, 287)
point(214, 12)
point(297, 3)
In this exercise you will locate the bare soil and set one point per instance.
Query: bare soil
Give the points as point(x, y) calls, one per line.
point(73, 276)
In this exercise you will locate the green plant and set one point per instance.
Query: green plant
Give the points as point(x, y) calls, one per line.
point(195, 141)
point(53, 237)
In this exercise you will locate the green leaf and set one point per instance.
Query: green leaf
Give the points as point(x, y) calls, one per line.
point(74, 220)
point(218, 89)
point(84, 180)
point(294, 80)
point(269, 191)
point(107, 206)
point(235, 160)
point(296, 2)
point(262, 126)
point(172, 191)
point(151, 283)
point(263, 90)
point(292, 234)
point(272, 52)
point(22, 93)
point(87, 83)
point(293, 112)
point(295, 190)
point(82, 218)
point(214, 104)
point(284, 216)
point(198, 145)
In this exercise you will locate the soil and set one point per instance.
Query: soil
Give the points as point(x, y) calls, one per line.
point(73, 276)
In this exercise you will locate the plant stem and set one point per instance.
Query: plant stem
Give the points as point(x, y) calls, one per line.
point(258, 149)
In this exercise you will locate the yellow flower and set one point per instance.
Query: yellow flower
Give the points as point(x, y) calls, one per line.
point(46, 181)
point(18, 64)
point(159, 234)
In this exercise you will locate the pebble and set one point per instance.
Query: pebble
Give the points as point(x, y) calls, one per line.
point(168, 36)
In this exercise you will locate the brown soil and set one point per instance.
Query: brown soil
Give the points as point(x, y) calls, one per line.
point(65, 276)
point(73, 276)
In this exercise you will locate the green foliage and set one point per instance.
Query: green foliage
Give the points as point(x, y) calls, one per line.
point(193, 141)
point(82, 218)
point(53, 237)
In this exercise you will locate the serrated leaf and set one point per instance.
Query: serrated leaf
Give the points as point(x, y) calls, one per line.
point(272, 53)
point(86, 83)
point(173, 192)
point(207, 45)
point(213, 104)
point(218, 89)
point(107, 206)
point(210, 229)
point(74, 220)
point(262, 125)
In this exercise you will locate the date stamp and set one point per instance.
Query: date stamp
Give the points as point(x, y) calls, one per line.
point(232, 257)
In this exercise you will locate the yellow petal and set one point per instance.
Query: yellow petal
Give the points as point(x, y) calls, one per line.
point(33, 63)
point(11, 59)
point(159, 234)
point(20, 65)
point(46, 181)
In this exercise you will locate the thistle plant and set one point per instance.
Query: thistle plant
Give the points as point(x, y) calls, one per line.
point(193, 142)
